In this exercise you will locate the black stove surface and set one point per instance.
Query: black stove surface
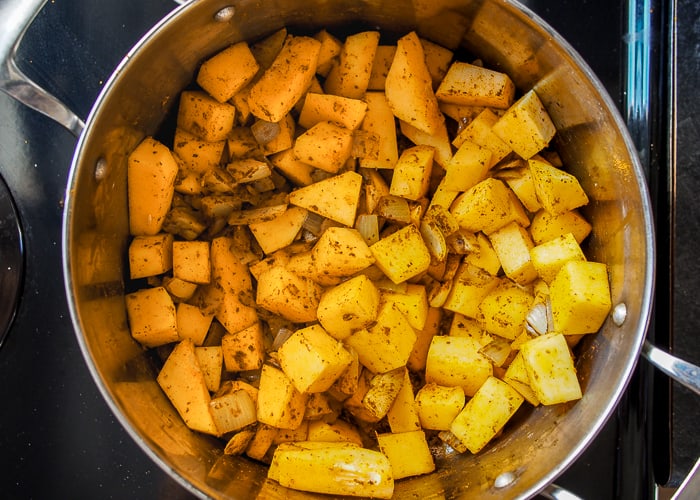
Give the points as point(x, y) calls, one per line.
point(58, 437)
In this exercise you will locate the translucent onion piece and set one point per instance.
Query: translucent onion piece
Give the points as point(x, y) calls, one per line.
point(264, 131)
point(232, 412)
point(240, 217)
point(394, 208)
point(463, 242)
point(537, 320)
point(314, 223)
point(368, 226)
point(248, 170)
point(282, 335)
point(434, 239)
point(497, 351)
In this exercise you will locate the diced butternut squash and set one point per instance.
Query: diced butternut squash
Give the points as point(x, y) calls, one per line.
point(472, 85)
point(456, 362)
point(547, 226)
point(438, 405)
point(409, 87)
point(550, 369)
point(339, 110)
point(182, 380)
point(336, 197)
point(211, 362)
point(349, 306)
point(198, 155)
point(485, 414)
point(312, 359)
point(192, 323)
point(526, 126)
point(383, 57)
point(227, 72)
point(402, 255)
point(548, 257)
point(403, 414)
point(469, 286)
point(150, 255)
point(292, 297)
point(413, 302)
point(580, 295)
point(558, 191)
point(341, 251)
point(285, 81)
point(279, 232)
point(516, 376)
point(468, 166)
point(416, 361)
point(379, 120)
point(191, 261)
point(152, 316)
point(338, 431)
point(350, 76)
point(202, 115)
point(479, 131)
point(484, 207)
point(504, 311)
point(330, 48)
point(408, 453)
point(151, 176)
point(325, 145)
point(512, 245)
point(279, 403)
point(244, 350)
point(411, 177)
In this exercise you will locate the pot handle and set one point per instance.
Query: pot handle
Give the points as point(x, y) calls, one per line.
point(15, 17)
point(686, 374)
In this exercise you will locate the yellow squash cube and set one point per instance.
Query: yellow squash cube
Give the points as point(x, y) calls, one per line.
point(438, 405)
point(485, 207)
point(437, 59)
point(152, 316)
point(198, 155)
point(338, 431)
point(350, 76)
point(312, 359)
point(202, 115)
point(330, 48)
point(548, 257)
point(227, 72)
point(151, 173)
point(379, 120)
point(546, 226)
point(325, 145)
point(438, 140)
point(469, 287)
point(191, 261)
point(479, 131)
point(550, 369)
point(512, 244)
point(341, 251)
point(280, 231)
point(411, 177)
point(150, 255)
point(244, 350)
point(413, 302)
point(386, 344)
point(292, 297)
point(342, 111)
point(348, 307)
point(580, 295)
point(336, 197)
point(520, 181)
point(416, 362)
point(402, 255)
point(485, 414)
point(516, 375)
point(192, 323)
point(182, 380)
point(457, 362)
point(558, 191)
point(298, 172)
point(279, 403)
point(380, 66)
point(468, 166)
point(504, 311)
point(408, 453)
point(472, 85)
point(211, 362)
point(526, 126)
point(403, 414)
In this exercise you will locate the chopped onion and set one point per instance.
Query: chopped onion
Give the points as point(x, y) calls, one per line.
point(368, 226)
point(434, 239)
point(249, 216)
point(233, 411)
point(497, 350)
point(314, 223)
point(537, 320)
point(394, 208)
point(264, 131)
point(282, 335)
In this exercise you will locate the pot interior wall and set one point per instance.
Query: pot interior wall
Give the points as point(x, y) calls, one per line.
point(144, 90)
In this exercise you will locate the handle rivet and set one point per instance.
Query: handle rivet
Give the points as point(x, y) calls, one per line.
point(225, 14)
point(504, 479)
point(619, 314)
point(100, 169)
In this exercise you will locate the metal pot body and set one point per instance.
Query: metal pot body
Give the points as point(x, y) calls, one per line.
point(592, 141)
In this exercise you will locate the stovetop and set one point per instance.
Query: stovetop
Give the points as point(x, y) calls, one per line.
point(58, 437)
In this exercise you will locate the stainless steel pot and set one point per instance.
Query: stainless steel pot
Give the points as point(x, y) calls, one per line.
point(592, 140)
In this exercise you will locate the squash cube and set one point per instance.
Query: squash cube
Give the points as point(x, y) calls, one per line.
point(350, 76)
point(457, 362)
point(379, 120)
point(150, 255)
point(152, 317)
point(227, 72)
point(191, 261)
point(293, 297)
point(151, 173)
point(211, 362)
point(485, 414)
point(485, 207)
point(438, 405)
point(197, 155)
point(516, 376)
point(469, 287)
point(286, 80)
point(437, 59)
point(280, 231)
point(409, 87)
point(411, 177)
point(471, 85)
point(349, 306)
point(386, 344)
point(279, 403)
point(546, 226)
point(402, 255)
point(408, 453)
point(468, 166)
point(182, 380)
point(403, 414)
point(504, 311)
point(550, 369)
point(336, 197)
point(244, 350)
point(479, 131)
point(512, 244)
point(298, 172)
point(413, 302)
point(330, 48)
point(580, 295)
point(548, 257)
point(205, 117)
point(342, 111)
point(416, 362)
point(312, 359)
point(325, 145)
point(521, 183)
point(383, 57)
point(341, 251)
point(558, 191)
point(382, 392)
point(526, 126)
point(192, 323)
point(338, 431)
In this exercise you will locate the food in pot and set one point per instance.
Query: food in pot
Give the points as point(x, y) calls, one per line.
point(352, 253)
